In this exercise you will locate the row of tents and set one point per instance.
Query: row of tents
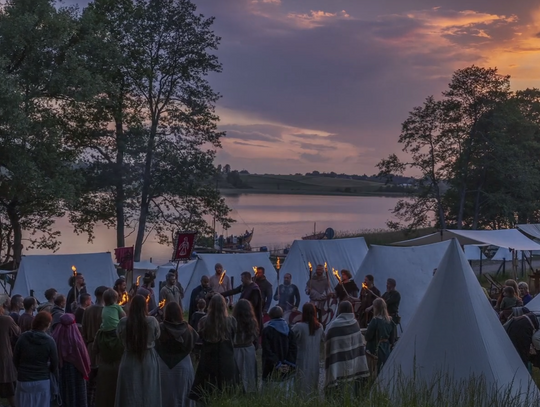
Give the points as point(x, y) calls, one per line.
point(448, 324)
point(410, 263)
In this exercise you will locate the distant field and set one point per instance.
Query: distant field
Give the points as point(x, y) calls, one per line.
point(298, 184)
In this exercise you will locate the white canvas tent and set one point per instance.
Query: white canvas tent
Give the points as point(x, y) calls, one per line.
point(339, 253)
point(532, 230)
point(41, 272)
point(235, 264)
point(411, 267)
point(474, 253)
point(455, 332)
point(509, 238)
point(504, 253)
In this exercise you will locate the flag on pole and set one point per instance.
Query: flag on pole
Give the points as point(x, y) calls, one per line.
point(185, 241)
point(124, 256)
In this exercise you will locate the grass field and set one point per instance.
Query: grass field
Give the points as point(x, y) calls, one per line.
point(299, 184)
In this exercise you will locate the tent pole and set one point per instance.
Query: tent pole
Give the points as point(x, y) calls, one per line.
point(480, 260)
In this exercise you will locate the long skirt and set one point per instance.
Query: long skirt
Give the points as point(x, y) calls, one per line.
point(176, 383)
point(72, 386)
point(139, 380)
point(246, 363)
point(33, 394)
point(107, 377)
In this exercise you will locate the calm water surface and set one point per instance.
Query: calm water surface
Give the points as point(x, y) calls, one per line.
point(277, 220)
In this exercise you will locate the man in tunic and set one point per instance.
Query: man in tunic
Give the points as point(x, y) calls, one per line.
point(170, 291)
point(265, 287)
point(25, 319)
point(251, 292)
point(220, 285)
point(347, 288)
point(50, 295)
point(287, 295)
point(16, 307)
point(367, 296)
point(78, 287)
point(318, 290)
point(392, 298)
point(198, 293)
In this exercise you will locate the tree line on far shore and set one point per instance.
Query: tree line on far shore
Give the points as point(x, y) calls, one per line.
point(478, 151)
point(106, 116)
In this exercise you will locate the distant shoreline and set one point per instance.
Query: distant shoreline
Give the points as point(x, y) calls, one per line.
point(250, 191)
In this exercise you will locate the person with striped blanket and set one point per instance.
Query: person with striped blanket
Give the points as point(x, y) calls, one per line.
point(345, 350)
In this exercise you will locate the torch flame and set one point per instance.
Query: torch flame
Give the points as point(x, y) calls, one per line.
point(74, 270)
point(364, 285)
point(162, 303)
point(222, 277)
point(138, 279)
point(254, 270)
point(336, 274)
point(148, 298)
point(325, 267)
point(310, 266)
point(124, 300)
point(278, 266)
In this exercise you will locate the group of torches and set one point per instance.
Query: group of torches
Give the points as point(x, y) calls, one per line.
point(125, 296)
point(335, 272)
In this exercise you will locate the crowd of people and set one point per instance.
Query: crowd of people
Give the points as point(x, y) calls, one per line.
point(134, 348)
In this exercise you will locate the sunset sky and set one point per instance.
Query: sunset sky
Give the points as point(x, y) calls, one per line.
point(324, 84)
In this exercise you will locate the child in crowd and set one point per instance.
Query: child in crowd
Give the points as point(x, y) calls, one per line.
point(508, 302)
point(197, 315)
point(112, 312)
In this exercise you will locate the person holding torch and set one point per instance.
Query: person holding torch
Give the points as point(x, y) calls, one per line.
point(318, 288)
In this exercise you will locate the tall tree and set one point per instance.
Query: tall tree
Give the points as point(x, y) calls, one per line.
point(36, 168)
point(423, 139)
point(158, 156)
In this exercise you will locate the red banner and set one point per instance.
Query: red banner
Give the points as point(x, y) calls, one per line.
point(185, 241)
point(124, 256)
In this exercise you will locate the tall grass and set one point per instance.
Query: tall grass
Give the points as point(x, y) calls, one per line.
point(440, 391)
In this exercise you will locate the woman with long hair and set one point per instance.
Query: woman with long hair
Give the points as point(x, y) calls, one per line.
point(247, 335)
point(217, 368)
point(380, 333)
point(309, 334)
point(138, 376)
point(174, 345)
point(73, 360)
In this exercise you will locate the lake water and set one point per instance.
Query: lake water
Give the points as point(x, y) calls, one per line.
point(277, 220)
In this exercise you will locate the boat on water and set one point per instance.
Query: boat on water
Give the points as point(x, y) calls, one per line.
point(242, 242)
point(315, 236)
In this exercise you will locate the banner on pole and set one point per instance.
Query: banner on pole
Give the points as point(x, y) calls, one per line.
point(124, 256)
point(185, 241)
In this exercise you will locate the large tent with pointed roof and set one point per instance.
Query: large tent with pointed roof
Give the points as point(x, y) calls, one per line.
point(455, 332)
point(411, 267)
point(338, 253)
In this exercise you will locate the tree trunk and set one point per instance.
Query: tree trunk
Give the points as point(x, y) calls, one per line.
point(14, 220)
point(120, 193)
point(145, 193)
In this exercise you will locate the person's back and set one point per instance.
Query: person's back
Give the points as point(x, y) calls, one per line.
point(278, 347)
point(33, 353)
point(508, 303)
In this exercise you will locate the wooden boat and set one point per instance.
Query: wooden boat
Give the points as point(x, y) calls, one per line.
point(237, 242)
point(316, 236)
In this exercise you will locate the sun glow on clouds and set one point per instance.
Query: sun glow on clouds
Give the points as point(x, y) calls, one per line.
point(432, 43)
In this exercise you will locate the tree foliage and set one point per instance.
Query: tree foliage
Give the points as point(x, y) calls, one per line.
point(477, 152)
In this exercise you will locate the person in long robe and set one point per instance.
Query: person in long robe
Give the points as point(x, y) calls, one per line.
point(139, 377)
point(109, 349)
point(308, 334)
point(380, 334)
point(278, 348)
point(521, 330)
point(78, 287)
point(9, 331)
point(91, 322)
point(175, 343)
point(73, 360)
point(345, 351)
point(217, 371)
point(247, 335)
